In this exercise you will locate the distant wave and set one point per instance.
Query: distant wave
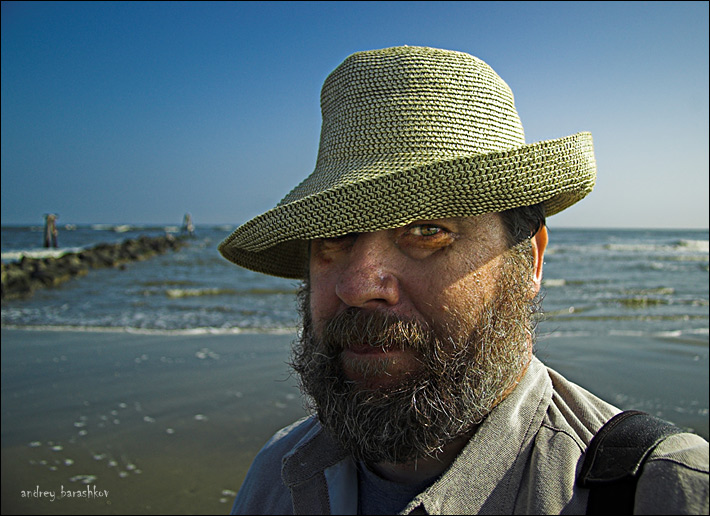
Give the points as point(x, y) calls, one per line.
point(682, 334)
point(682, 246)
point(102, 227)
point(124, 228)
point(573, 315)
point(176, 293)
point(695, 333)
point(665, 333)
point(553, 282)
point(702, 246)
point(166, 332)
point(695, 246)
point(13, 256)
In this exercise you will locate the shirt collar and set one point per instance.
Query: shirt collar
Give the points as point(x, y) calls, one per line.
point(485, 476)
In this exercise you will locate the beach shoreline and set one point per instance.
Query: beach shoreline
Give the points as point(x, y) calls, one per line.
point(164, 423)
point(169, 423)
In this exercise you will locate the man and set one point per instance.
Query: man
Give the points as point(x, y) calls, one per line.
point(420, 238)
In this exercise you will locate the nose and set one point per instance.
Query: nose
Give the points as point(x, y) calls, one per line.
point(368, 279)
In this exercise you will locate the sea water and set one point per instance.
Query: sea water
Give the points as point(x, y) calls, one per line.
point(596, 283)
point(193, 290)
point(170, 419)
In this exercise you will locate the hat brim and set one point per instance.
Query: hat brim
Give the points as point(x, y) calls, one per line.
point(556, 172)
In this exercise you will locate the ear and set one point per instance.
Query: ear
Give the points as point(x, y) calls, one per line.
point(539, 243)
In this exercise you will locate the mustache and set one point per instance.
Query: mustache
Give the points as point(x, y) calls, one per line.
point(355, 328)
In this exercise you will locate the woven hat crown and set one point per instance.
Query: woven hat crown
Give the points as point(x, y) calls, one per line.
point(403, 107)
point(412, 133)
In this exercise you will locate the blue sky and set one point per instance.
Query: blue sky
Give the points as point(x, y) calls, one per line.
point(139, 112)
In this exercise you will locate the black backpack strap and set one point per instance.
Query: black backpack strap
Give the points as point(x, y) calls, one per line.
point(615, 457)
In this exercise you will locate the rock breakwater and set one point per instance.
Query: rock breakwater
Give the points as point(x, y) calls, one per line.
point(20, 279)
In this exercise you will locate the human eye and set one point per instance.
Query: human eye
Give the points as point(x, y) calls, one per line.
point(426, 236)
point(337, 243)
point(426, 230)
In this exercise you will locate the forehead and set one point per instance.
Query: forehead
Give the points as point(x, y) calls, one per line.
point(485, 225)
point(486, 222)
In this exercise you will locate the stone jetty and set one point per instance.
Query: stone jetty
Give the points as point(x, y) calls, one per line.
point(20, 279)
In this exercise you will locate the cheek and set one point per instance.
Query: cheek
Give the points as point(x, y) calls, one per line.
point(324, 301)
point(467, 296)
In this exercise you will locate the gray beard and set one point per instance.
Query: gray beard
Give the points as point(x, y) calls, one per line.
point(463, 373)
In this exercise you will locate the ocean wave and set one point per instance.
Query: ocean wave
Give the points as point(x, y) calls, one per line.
point(650, 291)
point(701, 334)
point(38, 253)
point(178, 293)
point(554, 282)
point(166, 283)
point(116, 228)
point(151, 331)
point(677, 247)
point(269, 291)
point(695, 335)
point(571, 314)
point(175, 293)
point(695, 246)
point(701, 246)
point(556, 334)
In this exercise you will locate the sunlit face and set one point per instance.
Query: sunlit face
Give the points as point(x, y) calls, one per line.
point(411, 336)
point(430, 271)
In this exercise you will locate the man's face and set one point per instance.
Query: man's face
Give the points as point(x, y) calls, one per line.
point(412, 335)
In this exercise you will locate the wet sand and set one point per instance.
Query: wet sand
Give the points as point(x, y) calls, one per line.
point(666, 377)
point(170, 424)
point(165, 424)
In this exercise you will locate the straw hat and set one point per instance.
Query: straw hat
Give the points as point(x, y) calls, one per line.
point(412, 133)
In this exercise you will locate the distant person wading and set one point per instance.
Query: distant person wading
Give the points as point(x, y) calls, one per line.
point(50, 230)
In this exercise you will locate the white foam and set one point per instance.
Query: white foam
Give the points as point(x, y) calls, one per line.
point(176, 293)
point(146, 331)
point(700, 246)
point(38, 253)
point(554, 282)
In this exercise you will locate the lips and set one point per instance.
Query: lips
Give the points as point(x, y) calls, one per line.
point(367, 349)
point(374, 367)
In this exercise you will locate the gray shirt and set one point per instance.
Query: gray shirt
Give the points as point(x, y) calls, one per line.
point(523, 459)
